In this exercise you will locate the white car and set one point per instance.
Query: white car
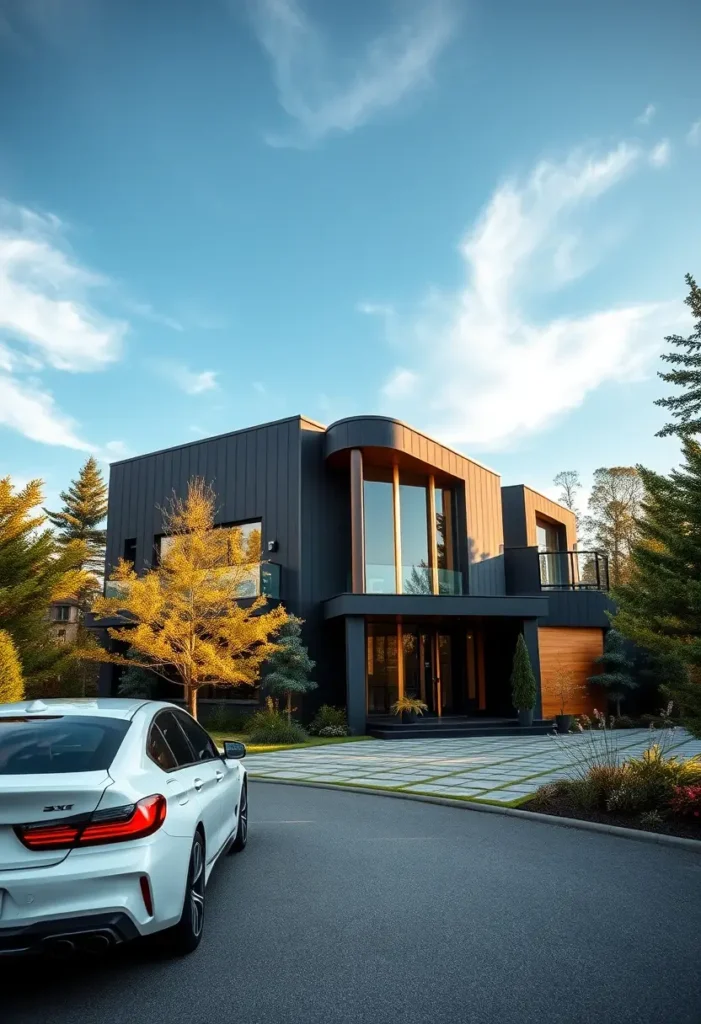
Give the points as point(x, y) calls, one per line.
point(113, 813)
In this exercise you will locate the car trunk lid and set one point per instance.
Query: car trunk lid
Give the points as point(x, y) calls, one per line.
point(44, 799)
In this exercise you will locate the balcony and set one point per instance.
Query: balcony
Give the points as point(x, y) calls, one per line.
point(415, 579)
point(250, 581)
point(573, 570)
point(529, 570)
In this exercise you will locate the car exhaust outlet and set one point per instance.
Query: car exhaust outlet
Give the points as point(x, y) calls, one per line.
point(98, 943)
point(61, 948)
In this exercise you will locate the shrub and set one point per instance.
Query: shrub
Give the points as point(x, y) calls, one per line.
point(623, 722)
point(221, 719)
point(268, 726)
point(333, 730)
point(651, 819)
point(523, 686)
point(625, 799)
point(655, 776)
point(686, 801)
point(328, 717)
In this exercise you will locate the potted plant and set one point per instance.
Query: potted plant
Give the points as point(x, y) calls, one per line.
point(408, 708)
point(523, 688)
point(566, 688)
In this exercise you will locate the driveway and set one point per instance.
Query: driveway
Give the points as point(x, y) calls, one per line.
point(349, 909)
point(502, 770)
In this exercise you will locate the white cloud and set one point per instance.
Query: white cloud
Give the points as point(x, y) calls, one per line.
point(190, 381)
point(322, 91)
point(483, 366)
point(647, 114)
point(115, 450)
point(48, 318)
point(661, 154)
point(693, 136)
point(382, 309)
point(45, 296)
point(24, 407)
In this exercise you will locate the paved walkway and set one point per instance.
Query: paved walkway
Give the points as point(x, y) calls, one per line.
point(503, 770)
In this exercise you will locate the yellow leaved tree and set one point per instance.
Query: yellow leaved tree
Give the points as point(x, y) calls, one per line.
point(183, 619)
point(11, 681)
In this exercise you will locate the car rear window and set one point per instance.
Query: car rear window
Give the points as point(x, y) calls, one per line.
point(59, 744)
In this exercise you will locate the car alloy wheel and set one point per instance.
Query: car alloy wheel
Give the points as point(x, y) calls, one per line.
point(241, 839)
point(196, 894)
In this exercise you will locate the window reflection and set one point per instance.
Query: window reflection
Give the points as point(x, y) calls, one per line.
point(382, 667)
point(414, 531)
point(378, 503)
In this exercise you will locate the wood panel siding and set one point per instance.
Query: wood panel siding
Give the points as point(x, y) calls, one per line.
point(569, 650)
point(479, 521)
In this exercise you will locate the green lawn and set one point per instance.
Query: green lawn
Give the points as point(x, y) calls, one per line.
point(256, 748)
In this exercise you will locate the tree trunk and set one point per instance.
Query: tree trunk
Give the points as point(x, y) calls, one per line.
point(191, 698)
point(289, 705)
point(618, 707)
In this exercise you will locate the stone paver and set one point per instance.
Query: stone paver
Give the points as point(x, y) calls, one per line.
point(499, 769)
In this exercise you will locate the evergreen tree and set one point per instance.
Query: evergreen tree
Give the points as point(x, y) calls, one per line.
point(686, 360)
point(659, 607)
point(616, 669)
point(287, 669)
point(11, 681)
point(34, 571)
point(84, 510)
point(136, 681)
point(523, 686)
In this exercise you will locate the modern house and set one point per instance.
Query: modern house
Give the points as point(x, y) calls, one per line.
point(413, 568)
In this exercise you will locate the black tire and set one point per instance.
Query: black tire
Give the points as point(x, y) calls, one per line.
point(239, 843)
point(185, 937)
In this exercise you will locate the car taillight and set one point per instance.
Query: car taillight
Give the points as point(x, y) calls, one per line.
point(113, 825)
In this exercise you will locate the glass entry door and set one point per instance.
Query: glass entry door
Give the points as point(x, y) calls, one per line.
point(428, 667)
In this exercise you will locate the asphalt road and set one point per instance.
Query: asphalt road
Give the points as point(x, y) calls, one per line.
point(363, 909)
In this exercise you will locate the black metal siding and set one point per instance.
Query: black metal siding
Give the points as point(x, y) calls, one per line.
point(514, 514)
point(255, 474)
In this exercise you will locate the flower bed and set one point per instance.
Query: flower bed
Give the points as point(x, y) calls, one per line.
point(562, 806)
point(656, 792)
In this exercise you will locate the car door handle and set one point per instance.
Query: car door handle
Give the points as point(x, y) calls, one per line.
point(197, 783)
point(219, 775)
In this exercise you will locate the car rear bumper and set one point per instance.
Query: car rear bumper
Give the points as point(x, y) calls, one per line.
point(63, 936)
point(99, 882)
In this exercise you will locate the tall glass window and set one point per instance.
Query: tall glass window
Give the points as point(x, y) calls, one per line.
point(382, 667)
point(449, 581)
point(413, 519)
point(378, 500)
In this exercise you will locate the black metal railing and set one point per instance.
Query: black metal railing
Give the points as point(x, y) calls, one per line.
point(573, 570)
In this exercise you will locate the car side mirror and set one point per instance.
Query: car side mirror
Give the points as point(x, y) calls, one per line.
point(234, 750)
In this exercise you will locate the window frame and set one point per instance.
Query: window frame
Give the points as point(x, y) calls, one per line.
point(176, 712)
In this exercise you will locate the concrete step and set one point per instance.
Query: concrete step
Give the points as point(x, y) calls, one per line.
point(452, 728)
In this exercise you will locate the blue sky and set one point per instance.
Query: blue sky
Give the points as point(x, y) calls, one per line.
point(474, 216)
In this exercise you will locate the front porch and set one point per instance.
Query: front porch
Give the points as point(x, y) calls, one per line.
point(458, 665)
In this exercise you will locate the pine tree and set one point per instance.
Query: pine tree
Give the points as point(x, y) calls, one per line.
point(136, 681)
point(523, 685)
point(288, 668)
point(84, 510)
point(34, 571)
point(659, 607)
point(616, 669)
point(11, 681)
point(685, 407)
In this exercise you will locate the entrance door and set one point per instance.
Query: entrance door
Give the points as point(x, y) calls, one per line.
point(436, 670)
